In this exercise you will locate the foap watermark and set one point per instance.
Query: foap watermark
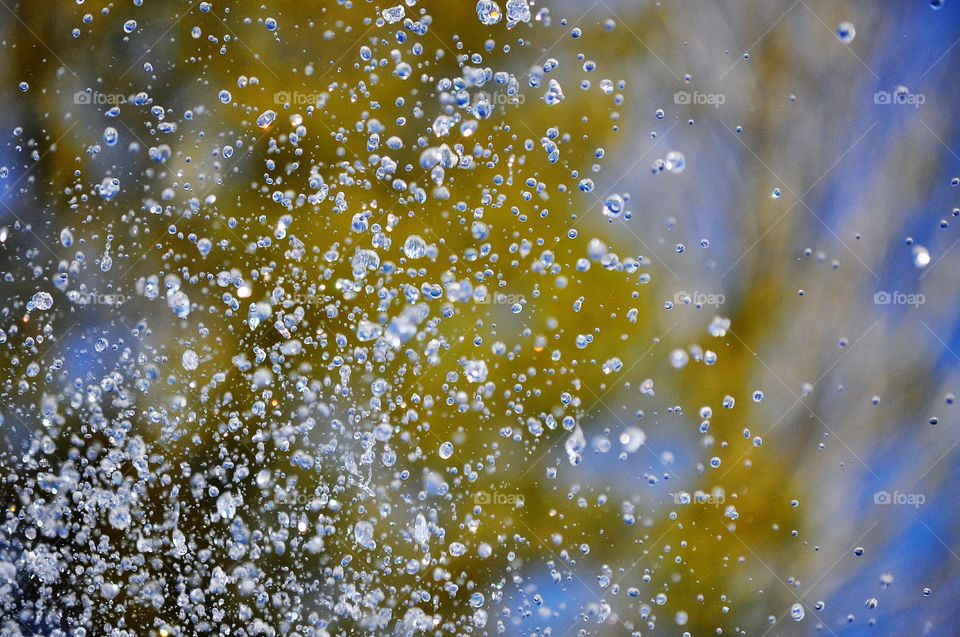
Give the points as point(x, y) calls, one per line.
point(900, 96)
point(882, 297)
point(497, 98)
point(297, 98)
point(683, 498)
point(96, 98)
point(499, 298)
point(498, 498)
point(915, 500)
point(699, 299)
point(301, 299)
point(698, 98)
point(92, 297)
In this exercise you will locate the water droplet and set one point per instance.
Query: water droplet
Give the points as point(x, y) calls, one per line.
point(190, 360)
point(393, 14)
point(266, 118)
point(42, 301)
point(446, 450)
point(846, 32)
point(675, 162)
point(797, 612)
point(517, 11)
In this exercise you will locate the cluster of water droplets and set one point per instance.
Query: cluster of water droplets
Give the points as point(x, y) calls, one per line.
point(291, 363)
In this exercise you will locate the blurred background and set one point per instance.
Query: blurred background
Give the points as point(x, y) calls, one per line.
point(758, 342)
